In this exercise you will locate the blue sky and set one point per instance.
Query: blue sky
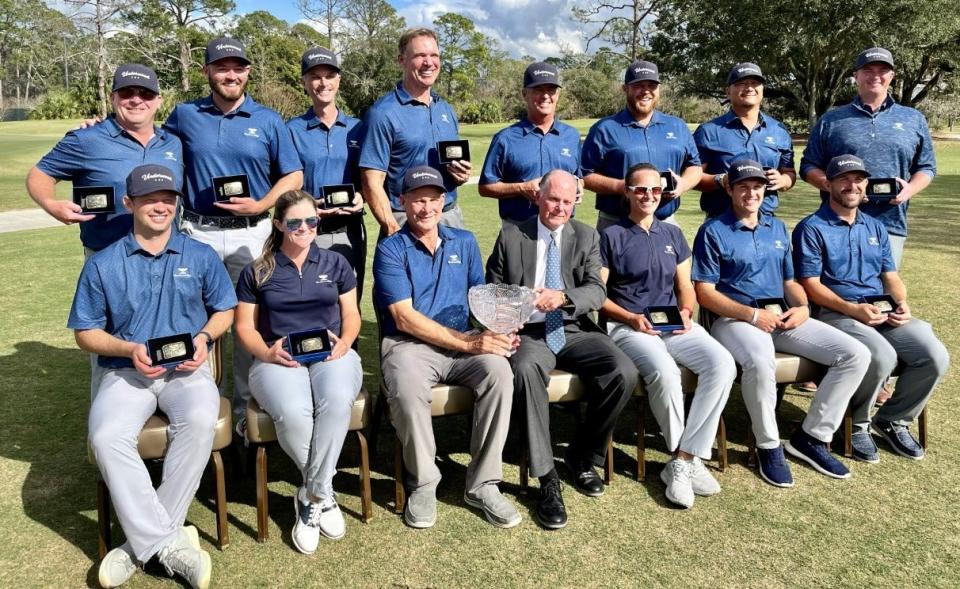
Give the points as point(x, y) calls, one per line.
point(507, 21)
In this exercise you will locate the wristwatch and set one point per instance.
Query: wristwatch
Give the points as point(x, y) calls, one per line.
point(209, 338)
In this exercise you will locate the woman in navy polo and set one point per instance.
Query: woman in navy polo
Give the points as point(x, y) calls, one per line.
point(295, 286)
point(743, 273)
point(646, 263)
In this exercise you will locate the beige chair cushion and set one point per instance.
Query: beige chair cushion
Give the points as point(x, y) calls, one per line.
point(153, 441)
point(260, 428)
point(791, 369)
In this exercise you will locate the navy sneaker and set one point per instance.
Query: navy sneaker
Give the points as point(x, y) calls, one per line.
point(773, 467)
point(900, 439)
point(816, 454)
point(864, 448)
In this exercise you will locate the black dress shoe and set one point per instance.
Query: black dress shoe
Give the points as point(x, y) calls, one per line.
point(551, 513)
point(585, 478)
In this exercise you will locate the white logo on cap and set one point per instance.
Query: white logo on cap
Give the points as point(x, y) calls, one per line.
point(129, 73)
point(223, 46)
point(313, 56)
point(543, 73)
point(876, 54)
point(752, 70)
point(156, 176)
point(848, 163)
point(747, 167)
point(418, 175)
point(644, 70)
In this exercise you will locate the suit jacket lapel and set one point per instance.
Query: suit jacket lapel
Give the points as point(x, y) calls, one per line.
point(528, 254)
point(567, 247)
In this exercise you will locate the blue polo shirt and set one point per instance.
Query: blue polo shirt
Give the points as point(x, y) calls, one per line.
point(251, 140)
point(848, 259)
point(616, 143)
point(745, 264)
point(328, 155)
point(642, 265)
point(104, 155)
point(403, 268)
point(134, 295)
point(725, 139)
point(522, 152)
point(893, 142)
point(293, 300)
point(403, 133)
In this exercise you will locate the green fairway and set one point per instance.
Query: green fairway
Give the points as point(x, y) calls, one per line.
point(892, 525)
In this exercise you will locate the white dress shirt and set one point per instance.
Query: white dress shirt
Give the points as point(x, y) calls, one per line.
point(543, 242)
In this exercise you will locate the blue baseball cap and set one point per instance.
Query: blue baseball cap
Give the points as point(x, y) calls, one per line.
point(871, 55)
point(745, 169)
point(150, 178)
point(420, 176)
point(224, 47)
point(744, 70)
point(641, 71)
point(541, 73)
point(318, 56)
point(842, 164)
point(135, 74)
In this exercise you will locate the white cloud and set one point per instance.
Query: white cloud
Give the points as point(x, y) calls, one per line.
point(541, 28)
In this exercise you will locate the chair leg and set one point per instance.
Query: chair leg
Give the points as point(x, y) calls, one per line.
point(376, 419)
point(524, 469)
point(922, 424)
point(261, 482)
point(608, 464)
point(398, 476)
point(848, 433)
point(104, 540)
point(722, 444)
point(751, 449)
point(366, 502)
point(223, 536)
point(641, 442)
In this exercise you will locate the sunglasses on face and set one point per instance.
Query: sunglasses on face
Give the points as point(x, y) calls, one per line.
point(131, 91)
point(645, 190)
point(294, 224)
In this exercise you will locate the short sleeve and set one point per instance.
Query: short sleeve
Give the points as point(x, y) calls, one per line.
point(89, 309)
point(807, 251)
point(391, 282)
point(247, 291)
point(375, 154)
point(493, 163)
point(218, 291)
point(706, 257)
point(65, 160)
point(283, 153)
point(592, 153)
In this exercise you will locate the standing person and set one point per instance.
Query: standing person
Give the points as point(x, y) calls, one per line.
point(422, 274)
point(523, 152)
point(841, 256)
point(403, 128)
point(103, 156)
point(329, 143)
point(639, 133)
point(744, 132)
point(295, 285)
point(229, 134)
point(892, 140)
point(560, 258)
point(152, 283)
point(739, 259)
point(646, 263)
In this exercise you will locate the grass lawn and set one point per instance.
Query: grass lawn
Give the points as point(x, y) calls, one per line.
point(891, 525)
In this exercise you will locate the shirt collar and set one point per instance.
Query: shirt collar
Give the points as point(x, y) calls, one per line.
point(544, 233)
point(174, 245)
point(888, 102)
point(730, 119)
point(245, 108)
point(404, 97)
point(312, 256)
point(113, 128)
point(314, 121)
point(826, 213)
point(446, 234)
point(626, 119)
point(528, 127)
point(729, 218)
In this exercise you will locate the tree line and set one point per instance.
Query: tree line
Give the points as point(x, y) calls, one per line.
point(56, 59)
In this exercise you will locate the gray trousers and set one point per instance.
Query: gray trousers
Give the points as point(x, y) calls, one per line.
point(351, 244)
point(658, 359)
point(754, 350)
point(150, 517)
point(311, 407)
point(410, 368)
point(237, 248)
point(897, 242)
point(925, 362)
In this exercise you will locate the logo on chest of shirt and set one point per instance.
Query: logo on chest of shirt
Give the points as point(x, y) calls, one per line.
point(777, 244)
point(353, 143)
point(444, 118)
point(898, 126)
point(182, 272)
point(769, 140)
point(168, 155)
point(454, 259)
point(670, 135)
point(323, 279)
point(668, 249)
point(873, 241)
point(252, 132)
point(565, 152)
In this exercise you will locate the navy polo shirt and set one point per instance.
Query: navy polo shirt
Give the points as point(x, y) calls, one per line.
point(403, 133)
point(893, 142)
point(745, 264)
point(403, 268)
point(104, 155)
point(251, 140)
point(294, 300)
point(616, 143)
point(848, 259)
point(522, 152)
point(134, 295)
point(328, 155)
point(642, 265)
point(725, 139)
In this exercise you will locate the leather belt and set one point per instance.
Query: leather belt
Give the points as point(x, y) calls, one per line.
point(224, 222)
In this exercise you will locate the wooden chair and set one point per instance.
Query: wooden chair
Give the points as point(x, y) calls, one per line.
point(152, 445)
point(261, 433)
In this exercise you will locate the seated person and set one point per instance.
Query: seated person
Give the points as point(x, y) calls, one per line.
point(294, 286)
point(646, 263)
point(741, 260)
point(560, 257)
point(153, 283)
point(842, 255)
point(421, 277)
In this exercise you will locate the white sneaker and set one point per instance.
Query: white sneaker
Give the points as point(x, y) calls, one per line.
point(306, 529)
point(676, 475)
point(117, 567)
point(180, 557)
point(331, 519)
point(193, 536)
point(702, 481)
